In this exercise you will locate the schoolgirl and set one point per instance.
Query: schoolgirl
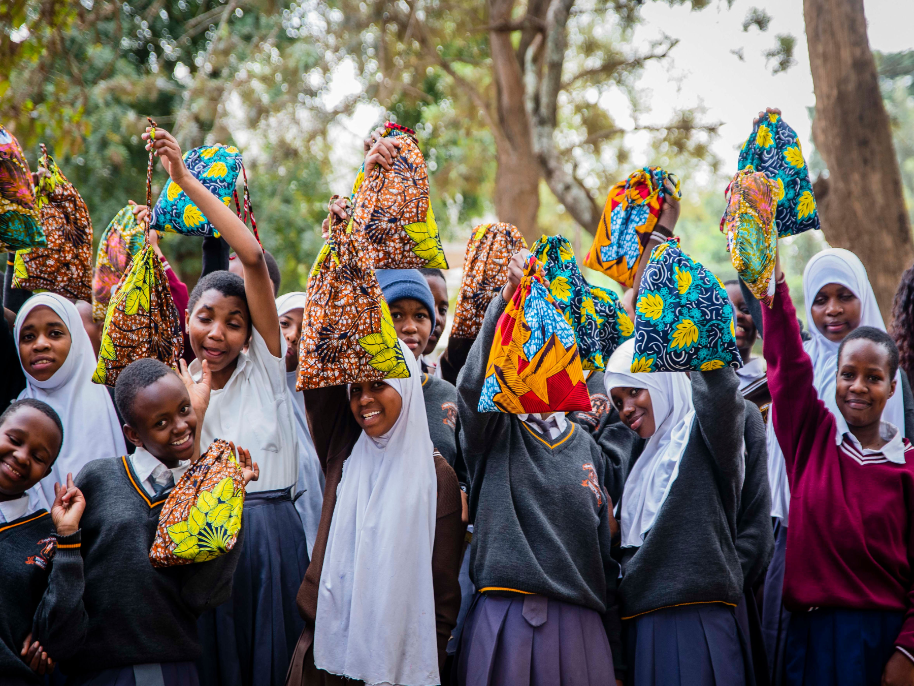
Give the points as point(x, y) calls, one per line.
point(249, 639)
point(58, 361)
point(381, 595)
point(847, 578)
point(310, 486)
point(437, 283)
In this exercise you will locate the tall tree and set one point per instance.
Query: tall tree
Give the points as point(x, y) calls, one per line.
point(861, 203)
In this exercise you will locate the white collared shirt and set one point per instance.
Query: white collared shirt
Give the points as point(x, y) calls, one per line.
point(893, 450)
point(11, 510)
point(253, 411)
point(151, 472)
point(556, 423)
point(751, 371)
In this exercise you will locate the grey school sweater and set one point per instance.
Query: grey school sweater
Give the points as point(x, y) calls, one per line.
point(138, 614)
point(441, 411)
point(690, 554)
point(755, 535)
point(539, 505)
point(34, 575)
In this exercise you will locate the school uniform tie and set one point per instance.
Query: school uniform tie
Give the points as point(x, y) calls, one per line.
point(162, 480)
point(545, 427)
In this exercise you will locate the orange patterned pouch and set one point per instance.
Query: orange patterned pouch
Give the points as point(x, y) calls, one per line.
point(201, 518)
point(347, 331)
point(485, 271)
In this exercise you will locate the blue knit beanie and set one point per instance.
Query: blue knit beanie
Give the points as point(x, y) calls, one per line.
point(398, 284)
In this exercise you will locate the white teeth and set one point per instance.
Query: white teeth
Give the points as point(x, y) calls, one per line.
point(370, 414)
point(182, 441)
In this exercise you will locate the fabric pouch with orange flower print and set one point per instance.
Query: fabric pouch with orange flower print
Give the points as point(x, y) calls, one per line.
point(347, 333)
point(120, 242)
point(683, 318)
point(774, 148)
point(534, 364)
point(201, 518)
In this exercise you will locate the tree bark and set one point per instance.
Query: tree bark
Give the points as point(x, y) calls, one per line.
point(863, 210)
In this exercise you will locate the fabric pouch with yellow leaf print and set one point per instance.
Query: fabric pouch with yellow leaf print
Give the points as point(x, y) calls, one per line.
point(347, 333)
point(533, 365)
point(392, 213)
point(201, 518)
point(217, 167)
point(774, 148)
point(683, 318)
point(599, 322)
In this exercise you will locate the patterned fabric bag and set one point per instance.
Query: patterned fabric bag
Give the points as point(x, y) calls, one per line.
point(347, 334)
point(142, 320)
point(217, 168)
point(19, 227)
point(629, 217)
point(392, 214)
point(485, 271)
point(752, 238)
point(65, 265)
point(121, 241)
point(774, 148)
point(533, 364)
point(202, 516)
point(599, 321)
point(683, 318)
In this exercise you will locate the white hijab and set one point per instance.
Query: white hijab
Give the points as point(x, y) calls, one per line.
point(310, 474)
point(90, 425)
point(376, 603)
point(834, 265)
point(650, 480)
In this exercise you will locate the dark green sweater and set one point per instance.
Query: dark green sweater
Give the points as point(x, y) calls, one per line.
point(38, 580)
point(539, 505)
point(138, 614)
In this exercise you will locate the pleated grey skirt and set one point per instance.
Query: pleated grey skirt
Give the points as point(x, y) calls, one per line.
point(164, 674)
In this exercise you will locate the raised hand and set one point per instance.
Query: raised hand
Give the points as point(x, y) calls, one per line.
point(382, 152)
point(199, 391)
point(515, 274)
point(34, 655)
point(339, 205)
point(671, 207)
point(168, 151)
point(249, 469)
point(768, 110)
point(67, 510)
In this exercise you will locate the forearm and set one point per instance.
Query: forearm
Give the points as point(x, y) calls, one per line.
point(61, 621)
point(330, 420)
point(720, 413)
point(227, 223)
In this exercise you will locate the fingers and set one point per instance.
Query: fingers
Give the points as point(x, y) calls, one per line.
point(25, 645)
point(256, 470)
point(205, 375)
point(56, 490)
point(70, 485)
point(184, 373)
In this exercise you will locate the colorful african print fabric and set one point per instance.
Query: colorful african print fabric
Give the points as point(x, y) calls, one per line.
point(597, 317)
point(773, 148)
point(217, 168)
point(65, 265)
point(142, 320)
point(485, 271)
point(347, 333)
point(201, 518)
point(629, 217)
point(533, 364)
point(19, 227)
point(119, 244)
point(683, 318)
point(392, 213)
point(752, 238)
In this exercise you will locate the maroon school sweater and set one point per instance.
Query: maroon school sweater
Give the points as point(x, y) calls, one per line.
point(850, 542)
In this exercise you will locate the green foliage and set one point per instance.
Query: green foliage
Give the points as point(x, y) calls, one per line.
point(782, 53)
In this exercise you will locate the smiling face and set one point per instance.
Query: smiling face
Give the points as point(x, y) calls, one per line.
point(864, 383)
point(635, 409)
point(439, 293)
point(163, 420)
point(44, 343)
point(290, 326)
point(218, 329)
point(29, 443)
point(375, 406)
point(746, 332)
point(835, 311)
point(413, 323)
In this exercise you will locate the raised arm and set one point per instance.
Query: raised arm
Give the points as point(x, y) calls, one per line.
point(754, 536)
point(257, 285)
point(334, 429)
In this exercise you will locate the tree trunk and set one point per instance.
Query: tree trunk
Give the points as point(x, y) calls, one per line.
point(864, 209)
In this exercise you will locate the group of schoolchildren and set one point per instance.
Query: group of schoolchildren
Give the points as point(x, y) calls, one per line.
point(646, 543)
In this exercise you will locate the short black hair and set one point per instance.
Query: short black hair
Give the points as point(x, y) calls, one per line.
point(434, 272)
point(42, 407)
point(878, 337)
point(223, 281)
point(273, 270)
point(134, 378)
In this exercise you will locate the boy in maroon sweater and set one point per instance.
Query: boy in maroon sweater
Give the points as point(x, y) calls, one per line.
point(850, 542)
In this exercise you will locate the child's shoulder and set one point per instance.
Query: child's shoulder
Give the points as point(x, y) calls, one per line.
point(432, 384)
point(100, 470)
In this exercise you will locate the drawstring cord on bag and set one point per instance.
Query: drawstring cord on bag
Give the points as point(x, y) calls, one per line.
point(152, 138)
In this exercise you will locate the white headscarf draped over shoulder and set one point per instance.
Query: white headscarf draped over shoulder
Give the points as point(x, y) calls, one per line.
point(376, 604)
point(90, 425)
point(650, 480)
point(843, 267)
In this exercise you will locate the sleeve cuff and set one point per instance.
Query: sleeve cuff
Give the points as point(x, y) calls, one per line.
point(904, 652)
point(71, 542)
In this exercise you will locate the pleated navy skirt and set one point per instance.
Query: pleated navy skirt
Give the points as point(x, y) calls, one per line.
point(249, 639)
point(775, 619)
point(531, 639)
point(840, 647)
point(688, 645)
point(164, 674)
point(467, 592)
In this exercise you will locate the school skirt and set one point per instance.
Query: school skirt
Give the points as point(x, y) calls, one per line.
point(164, 674)
point(530, 639)
point(249, 639)
point(775, 619)
point(840, 646)
point(687, 645)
